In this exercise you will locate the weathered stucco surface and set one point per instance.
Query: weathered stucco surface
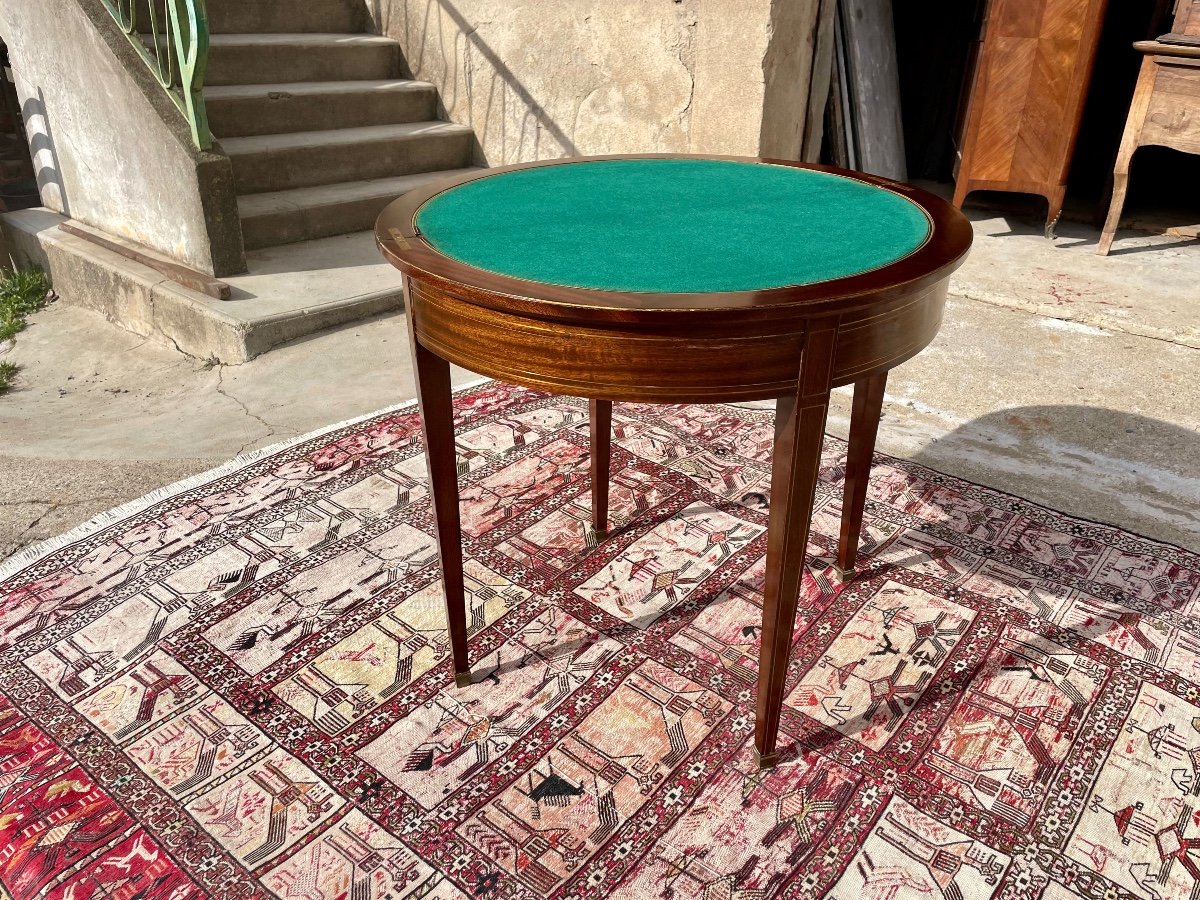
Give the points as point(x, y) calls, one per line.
point(539, 80)
point(108, 150)
point(787, 68)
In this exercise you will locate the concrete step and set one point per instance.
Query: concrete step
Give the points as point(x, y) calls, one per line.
point(290, 58)
point(242, 17)
point(305, 214)
point(239, 16)
point(254, 109)
point(277, 162)
point(290, 292)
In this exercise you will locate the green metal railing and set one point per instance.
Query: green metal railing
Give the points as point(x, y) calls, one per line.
point(175, 47)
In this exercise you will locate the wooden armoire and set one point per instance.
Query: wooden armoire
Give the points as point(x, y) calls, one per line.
point(1031, 76)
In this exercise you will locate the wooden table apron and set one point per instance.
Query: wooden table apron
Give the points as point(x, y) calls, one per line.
point(791, 344)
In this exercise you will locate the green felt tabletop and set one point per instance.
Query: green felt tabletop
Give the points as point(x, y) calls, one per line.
point(672, 225)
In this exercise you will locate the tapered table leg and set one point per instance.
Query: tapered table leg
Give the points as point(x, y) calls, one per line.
point(601, 416)
point(800, 427)
point(864, 427)
point(437, 427)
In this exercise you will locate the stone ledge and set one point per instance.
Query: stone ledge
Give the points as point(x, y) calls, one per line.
point(290, 292)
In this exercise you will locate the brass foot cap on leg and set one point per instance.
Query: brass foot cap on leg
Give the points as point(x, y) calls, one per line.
point(766, 760)
point(842, 575)
point(463, 679)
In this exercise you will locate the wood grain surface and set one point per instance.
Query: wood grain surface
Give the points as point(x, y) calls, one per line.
point(1165, 111)
point(1027, 98)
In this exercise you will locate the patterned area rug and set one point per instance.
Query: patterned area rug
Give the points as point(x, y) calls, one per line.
point(241, 687)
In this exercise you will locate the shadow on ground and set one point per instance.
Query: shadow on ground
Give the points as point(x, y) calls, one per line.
point(1122, 469)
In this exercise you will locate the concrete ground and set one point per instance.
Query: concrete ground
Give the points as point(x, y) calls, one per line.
point(1065, 378)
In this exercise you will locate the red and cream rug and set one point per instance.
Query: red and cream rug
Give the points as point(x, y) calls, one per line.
point(240, 687)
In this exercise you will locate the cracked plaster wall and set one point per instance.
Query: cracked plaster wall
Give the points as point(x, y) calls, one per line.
point(539, 80)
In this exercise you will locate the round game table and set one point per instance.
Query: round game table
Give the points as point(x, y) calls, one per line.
point(676, 280)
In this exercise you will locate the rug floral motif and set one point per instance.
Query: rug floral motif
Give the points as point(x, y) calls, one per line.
point(241, 688)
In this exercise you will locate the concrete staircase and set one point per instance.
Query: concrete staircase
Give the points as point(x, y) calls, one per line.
point(321, 129)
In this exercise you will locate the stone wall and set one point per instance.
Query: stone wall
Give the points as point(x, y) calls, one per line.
point(109, 147)
point(539, 79)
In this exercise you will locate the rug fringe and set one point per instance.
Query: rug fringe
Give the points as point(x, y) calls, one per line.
point(31, 555)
